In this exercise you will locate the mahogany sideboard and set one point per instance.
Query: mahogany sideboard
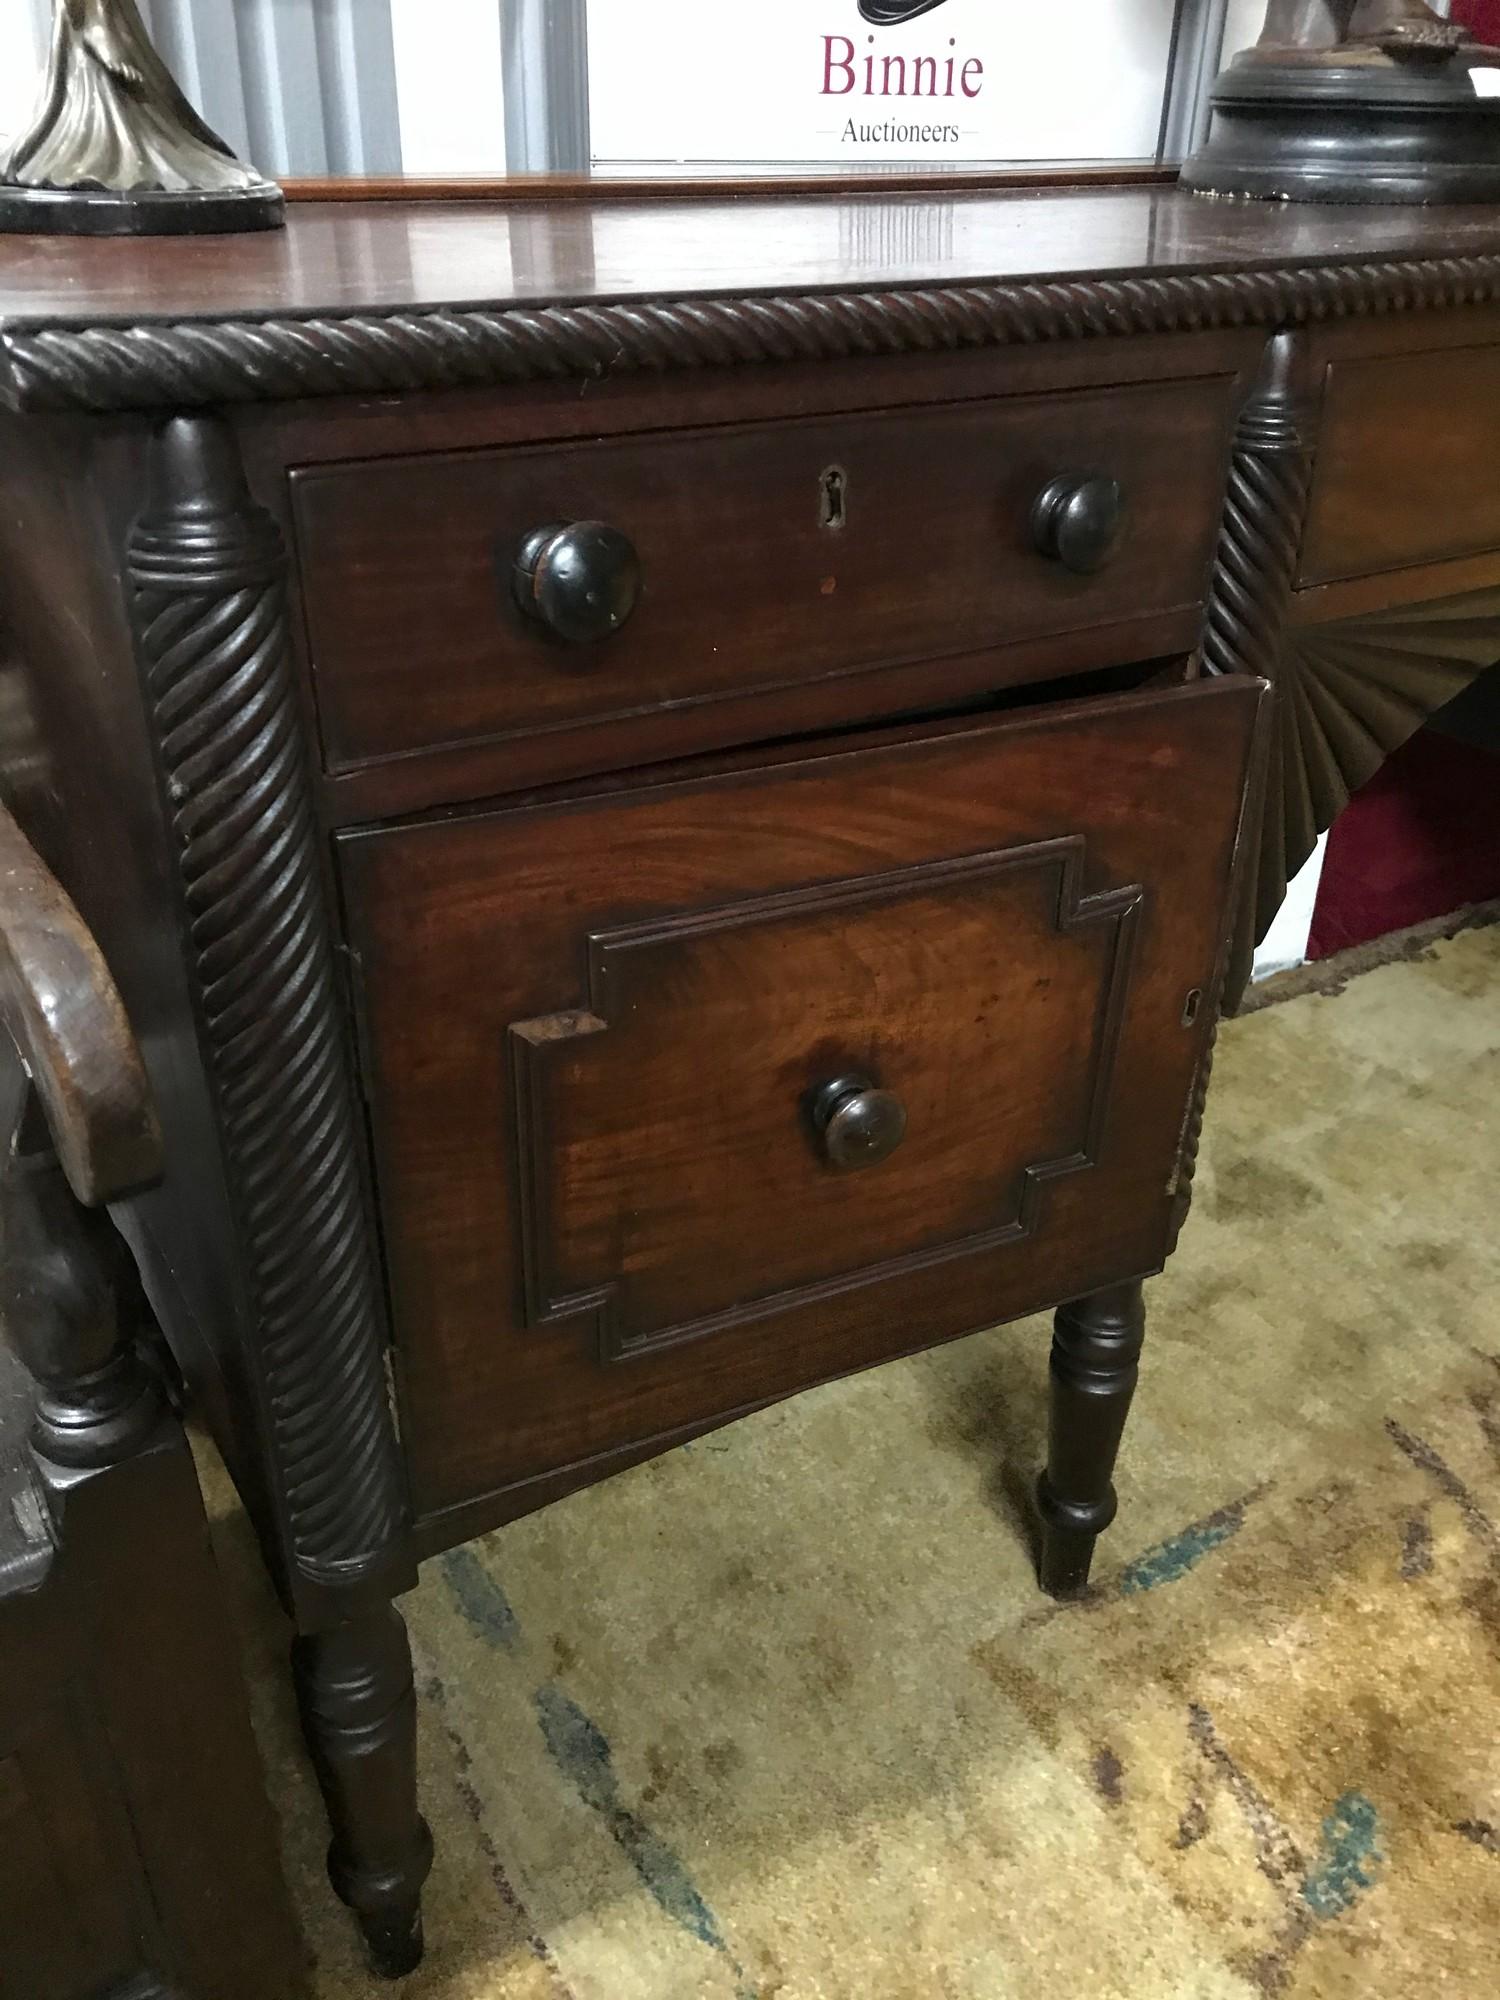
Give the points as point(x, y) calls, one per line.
point(674, 789)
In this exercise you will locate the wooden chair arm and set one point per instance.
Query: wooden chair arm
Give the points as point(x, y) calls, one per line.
point(65, 1016)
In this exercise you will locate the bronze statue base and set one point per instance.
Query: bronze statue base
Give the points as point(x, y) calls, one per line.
point(1368, 131)
point(78, 211)
point(115, 149)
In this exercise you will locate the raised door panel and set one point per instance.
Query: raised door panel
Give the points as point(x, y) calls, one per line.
point(687, 1097)
point(598, 1032)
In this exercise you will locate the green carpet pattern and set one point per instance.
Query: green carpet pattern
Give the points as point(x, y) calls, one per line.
point(782, 1714)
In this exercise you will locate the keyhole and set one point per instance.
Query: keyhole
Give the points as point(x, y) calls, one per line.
point(833, 487)
point(1191, 1005)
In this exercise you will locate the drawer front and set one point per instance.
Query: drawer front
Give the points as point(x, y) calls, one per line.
point(767, 557)
point(1408, 464)
point(687, 1096)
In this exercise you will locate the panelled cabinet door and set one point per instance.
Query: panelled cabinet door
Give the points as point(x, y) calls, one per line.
point(687, 1095)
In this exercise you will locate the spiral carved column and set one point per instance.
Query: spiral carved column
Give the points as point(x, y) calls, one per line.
point(1255, 570)
point(1270, 481)
point(207, 571)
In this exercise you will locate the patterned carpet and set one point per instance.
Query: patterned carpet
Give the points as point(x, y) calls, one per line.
point(782, 1714)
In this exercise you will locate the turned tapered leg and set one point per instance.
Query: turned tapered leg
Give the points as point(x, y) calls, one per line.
point(359, 1714)
point(1096, 1346)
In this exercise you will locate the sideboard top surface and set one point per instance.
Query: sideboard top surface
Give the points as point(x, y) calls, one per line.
point(474, 292)
point(399, 256)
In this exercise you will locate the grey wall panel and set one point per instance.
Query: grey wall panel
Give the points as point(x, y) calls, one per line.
point(297, 86)
point(1197, 53)
point(197, 39)
point(357, 68)
point(546, 44)
point(25, 31)
point(278, 49)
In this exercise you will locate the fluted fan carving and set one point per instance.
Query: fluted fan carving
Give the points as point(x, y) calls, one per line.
point(1348, 694)
point(208, 574)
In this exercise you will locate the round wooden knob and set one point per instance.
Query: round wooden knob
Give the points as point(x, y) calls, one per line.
point(581, 579)
point(859, 1125)
point(1078, 522)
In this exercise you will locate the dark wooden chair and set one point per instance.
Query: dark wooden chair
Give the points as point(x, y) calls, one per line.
point(139, 1850)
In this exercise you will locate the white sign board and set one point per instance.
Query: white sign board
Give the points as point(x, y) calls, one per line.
point(859, 80)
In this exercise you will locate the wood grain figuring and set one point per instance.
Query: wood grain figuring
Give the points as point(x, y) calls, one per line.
point(753, 577)
point(470, 928)
point(1406, 464)
point(684, 1095)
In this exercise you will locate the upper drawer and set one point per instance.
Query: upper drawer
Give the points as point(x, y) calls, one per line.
point(1408, 463)
point(769, 556)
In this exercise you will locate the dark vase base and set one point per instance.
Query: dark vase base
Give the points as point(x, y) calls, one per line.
point(1405, 132)
point(106, 212)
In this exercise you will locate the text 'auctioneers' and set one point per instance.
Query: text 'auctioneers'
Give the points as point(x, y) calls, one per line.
point(847, 73)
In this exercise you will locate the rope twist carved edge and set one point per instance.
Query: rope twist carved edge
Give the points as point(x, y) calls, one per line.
point(191, 363)
point(207, 574)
